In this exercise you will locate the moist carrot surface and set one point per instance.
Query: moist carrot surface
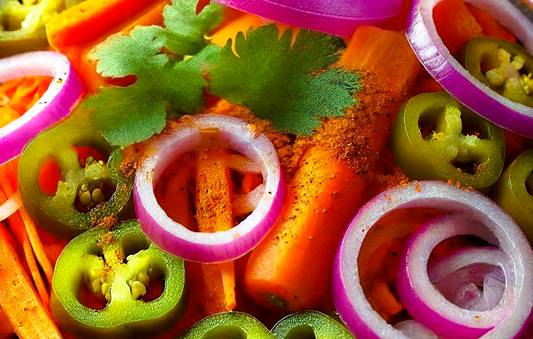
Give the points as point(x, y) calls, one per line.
point(329, 175)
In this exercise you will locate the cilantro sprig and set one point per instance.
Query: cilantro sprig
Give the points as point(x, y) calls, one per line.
point(293, 85)
point(165, 83)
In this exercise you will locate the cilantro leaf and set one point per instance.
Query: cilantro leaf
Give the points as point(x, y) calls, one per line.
point(293, 86)
point(186, 30)
point(165, 84)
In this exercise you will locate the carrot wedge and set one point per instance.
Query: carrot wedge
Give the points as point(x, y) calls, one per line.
point(290, 268)
point(455, 24)
point(214, 214)
point(19, 300)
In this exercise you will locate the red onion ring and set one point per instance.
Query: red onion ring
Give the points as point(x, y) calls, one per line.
point(430, 50)
point(425, 303)
point(208, 247)
point(347, 291)
point(336, 17)
point(55, 104)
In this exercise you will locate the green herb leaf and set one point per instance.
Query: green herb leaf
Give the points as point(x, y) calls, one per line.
point(185, 30)
point(165, 84)
point(293, 86)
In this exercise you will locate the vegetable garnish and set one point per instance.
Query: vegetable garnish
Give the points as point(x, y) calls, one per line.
point(337, 17)
point(22, 24)
point(310, 324)
point(230, 325)
point(439, 62)
point(117, 266)
point(471, 209)
point(291, 85)
point(185, 136)
point(166, 84)
point(513, 192)
point(89, 190)
point(435, 137)
point(454, 313)
point(56, 103)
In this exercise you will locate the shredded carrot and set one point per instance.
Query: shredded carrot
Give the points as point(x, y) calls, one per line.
point(7, 115)
point(489, 25)
point(214, 214)
point(455, 24)
point(6, 329)
point(19, 300)
point(251, 181)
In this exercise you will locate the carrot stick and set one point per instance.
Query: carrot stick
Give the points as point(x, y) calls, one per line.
point(16, 226)
point(19, 300)
point(76, 31)
point(7, 115)
point(455, 24)
point(6, 329)
point(27, 224)
point(214, 214)
point(290, 269)
point(489, 25)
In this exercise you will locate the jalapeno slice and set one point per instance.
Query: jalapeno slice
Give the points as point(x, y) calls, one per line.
point(312, 325)
point(514, 192)
point(234, 325)
point(504, 66)
point(435, 137)
point(22, 24)
point(87, 194)
point(117, 265)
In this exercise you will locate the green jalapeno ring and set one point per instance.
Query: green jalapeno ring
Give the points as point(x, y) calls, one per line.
point(23, 25)
point(234, 325)
point(124, 316)
point(310, 324)
point(58, 213)
point(481, 54)
point(445, 153)
point(512, 194)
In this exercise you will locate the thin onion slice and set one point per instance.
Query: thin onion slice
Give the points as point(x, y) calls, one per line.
point(425, 303)
point(187, 135)
point(433, 54)
point(415, 330)
point(55, 104)
point(348, 293)
point(10, 206)
point(336, 17)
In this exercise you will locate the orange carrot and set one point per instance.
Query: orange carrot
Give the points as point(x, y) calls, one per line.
point(389, 68)
point(455, 24)
point(19, 300)
point(7, 115)
point(75, 31)
point(290, 269)
point(229, 31)
point(6, 329)
point(214, 214)
point(489, 25)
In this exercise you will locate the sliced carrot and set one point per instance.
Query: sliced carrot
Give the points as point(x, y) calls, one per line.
point(6, 329)
point(49, 177)
point(390, 69)
point(29, 92)
point(229, 31)
point(384, 54)
point(214, 214)
point(19, 300)
point(75, 31)
point(455, 24)
point(251, 181)
point(489, 25)
point(24, 224)
point(290, 269)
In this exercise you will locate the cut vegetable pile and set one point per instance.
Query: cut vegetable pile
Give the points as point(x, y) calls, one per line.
point(203, 169)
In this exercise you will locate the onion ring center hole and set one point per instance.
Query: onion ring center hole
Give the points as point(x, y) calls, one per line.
point(477, 286)
point(175, 189)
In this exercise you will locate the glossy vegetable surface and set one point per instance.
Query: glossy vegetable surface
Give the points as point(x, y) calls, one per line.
point(436, 137)
point(119, 266)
